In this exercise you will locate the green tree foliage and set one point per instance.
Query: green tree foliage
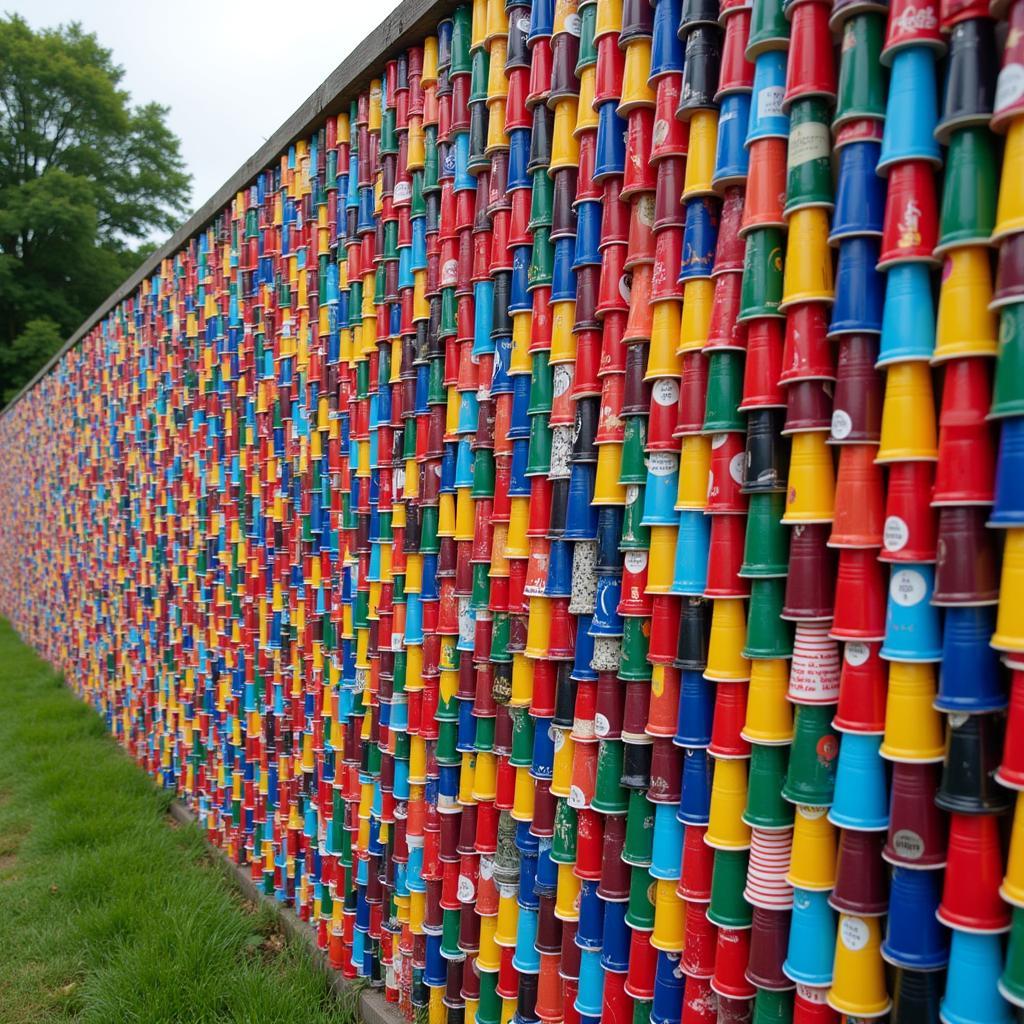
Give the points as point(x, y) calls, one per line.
point(85, 179)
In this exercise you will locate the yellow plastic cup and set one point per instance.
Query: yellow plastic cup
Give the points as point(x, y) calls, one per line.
point(858, 974)
point(662, 357)
point(726, 663)
point(1009, 634)
point(769, 718)
point(698, 301)
point(812, 863)
point(694, 470)
point(669, 918)
point(807, 276)
point(726, 828)
point(700, 161)
point(913, 728)
point(908, 415)
point(1010, 208)
point(636, 93)
point(965, 325)
point(811, 490)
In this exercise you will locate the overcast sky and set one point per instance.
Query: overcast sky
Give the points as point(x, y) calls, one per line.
point(230, 70)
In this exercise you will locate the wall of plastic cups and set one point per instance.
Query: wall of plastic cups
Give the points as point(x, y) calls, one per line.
point(562, 526)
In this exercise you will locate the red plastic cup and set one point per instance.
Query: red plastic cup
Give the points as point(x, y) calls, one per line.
point(910, 229)
point(698, 956)
point(724, 330)
point(731, 956)
point(863, 682)
point(763, 367)
point(697, 864)
point(861, 594)
point(974, 872)
point(811, 69)
point(807, 351)
point(860, 502)
point(966, 470)
point(909, 534)
point(725, 557)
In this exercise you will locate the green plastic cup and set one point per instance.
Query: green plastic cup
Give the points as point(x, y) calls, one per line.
point(640, 912)
point(636, 640)
point(725, 393)
point(483, 474)
point(771, 1006)
point(542, 259)
point(1011, 984)
point(588, 46)
point(968, 215)
point(768, 635)
point(563, 842)
point(634, 442)
point(639, 844)
point(769, 29)
point(728, 908)
point(766, 545)
point(811, 775)
point(862, 88)
point(809, 161)
point(635, 535)
point(542, 200)
point(522, 738)
point(1008, 389)
point(766, 807)
point(538, 455)
point(610, 796)
point(761, 288)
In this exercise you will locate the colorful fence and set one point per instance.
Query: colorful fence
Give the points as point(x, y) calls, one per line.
point(520, 525)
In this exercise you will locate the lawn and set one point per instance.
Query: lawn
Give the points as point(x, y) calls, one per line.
point(109, 911)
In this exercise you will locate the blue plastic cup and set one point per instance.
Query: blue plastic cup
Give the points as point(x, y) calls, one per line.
point(911, 112)
point(559, 581)
point(860, 193)
point(581, 517)
point(1008, 509)
point(590, 994)
point(610, 156)
point(669, 989)
point(615, 945)
point(812, 939)
point(590, 928)
point(666, 46)
point(700, 236)
point(519, 426)
point(970, 677)
point(975, 963)
point(859, 288)
point(587, 247)
point(667, 854)
point(526, 959)
point(519, 482)
point(542, 20)
point(693, 543)
point(563, 277)
point(861, 798)
point(696, 710)
point(464, 181)
point(543, 760)
point(528, 898)
point(913, 630)
point(767, 119)
point(413, 619)
point(914, 937)
point(501, 382)
point(695, 802)
point(464, 463)
point(661, 489)
point(607, 621)
point(732, 158)
point(518, 159)
point(519, 297)
point(584, 654)
point(469, 411)
point(908, 315)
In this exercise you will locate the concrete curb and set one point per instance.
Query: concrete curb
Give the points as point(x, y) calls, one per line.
point(373, 1007)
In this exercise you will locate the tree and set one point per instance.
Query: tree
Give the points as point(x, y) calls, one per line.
point(85, 180)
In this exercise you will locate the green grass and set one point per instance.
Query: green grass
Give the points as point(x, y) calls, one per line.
point(109, 911)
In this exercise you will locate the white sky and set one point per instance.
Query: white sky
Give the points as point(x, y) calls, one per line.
point(230, 70)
